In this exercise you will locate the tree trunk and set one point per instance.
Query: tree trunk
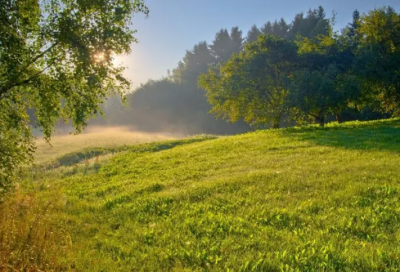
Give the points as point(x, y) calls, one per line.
point(320, 120)
point(276, 122)
point(338, 118)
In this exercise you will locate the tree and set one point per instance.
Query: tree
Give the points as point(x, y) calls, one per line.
point(354, 25)
point(220, 46)
point(253, 34)
point(236, 40)
point(56, 57)
point(280, 28)
point(314, 24)
point(378, 57)
point(195, 62)
point(267, 28)
point(225, 44)
point(253, 84)
point(324, 81)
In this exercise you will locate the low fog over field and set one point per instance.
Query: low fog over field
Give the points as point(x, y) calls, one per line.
point(94, 136)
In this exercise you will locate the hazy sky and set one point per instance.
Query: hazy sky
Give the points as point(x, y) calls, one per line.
point(174, 26)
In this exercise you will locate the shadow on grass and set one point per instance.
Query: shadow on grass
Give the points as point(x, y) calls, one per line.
point(90, 153)
point(381, 135)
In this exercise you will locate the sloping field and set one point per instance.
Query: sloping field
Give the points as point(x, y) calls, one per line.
point(299, 199)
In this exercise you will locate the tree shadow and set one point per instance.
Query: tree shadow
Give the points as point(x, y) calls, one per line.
point(382, 135)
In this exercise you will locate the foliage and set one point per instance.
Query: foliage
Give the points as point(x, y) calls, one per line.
point(16, 146)
point(258, 84)
point(313, 25)
point(194, 62)
point(253, 34)
point(295, 199)
point(57, 57)
point(331, 74)
point(225, 44)
point(253, 85)
point(378, 56)
point(324, 81)
point(280, 28)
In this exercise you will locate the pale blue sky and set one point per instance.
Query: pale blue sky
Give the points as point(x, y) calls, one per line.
point(174, 26)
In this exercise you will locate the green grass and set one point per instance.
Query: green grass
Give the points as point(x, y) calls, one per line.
point(298, 199)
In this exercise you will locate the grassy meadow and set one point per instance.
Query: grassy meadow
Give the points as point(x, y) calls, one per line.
point(93, 137)
point(295, 199)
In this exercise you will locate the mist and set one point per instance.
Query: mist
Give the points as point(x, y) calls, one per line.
point(176, 105)
point(94, 136)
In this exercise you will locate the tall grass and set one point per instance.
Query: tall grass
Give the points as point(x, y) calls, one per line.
point(32, 236)
point(30, 239)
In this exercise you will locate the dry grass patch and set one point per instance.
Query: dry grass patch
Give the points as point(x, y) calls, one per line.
point(30, 240)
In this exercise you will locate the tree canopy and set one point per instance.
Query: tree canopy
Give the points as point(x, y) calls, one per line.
point(310, 72)
point(56, 57)
point(193, 115)
point(253, 84)
point(378, 57)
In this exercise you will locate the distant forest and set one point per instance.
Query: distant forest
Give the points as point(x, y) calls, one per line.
point(280, 74)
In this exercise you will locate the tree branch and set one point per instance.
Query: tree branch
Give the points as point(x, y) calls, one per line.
point(4, 91)
point(36, 58)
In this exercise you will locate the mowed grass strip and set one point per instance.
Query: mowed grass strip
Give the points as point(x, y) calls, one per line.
point(299, 199)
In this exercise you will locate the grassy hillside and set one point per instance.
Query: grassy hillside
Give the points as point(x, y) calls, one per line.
point(300, 199)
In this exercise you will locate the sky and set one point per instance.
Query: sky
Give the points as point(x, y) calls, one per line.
point(174, 26)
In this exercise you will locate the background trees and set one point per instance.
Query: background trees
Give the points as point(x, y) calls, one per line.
point(225, 44)
point(194, 116)
point(311, 71)
point(334, 77)
point(324, 82)
point(57, 58)
point(176, 104)
point(253, 84)
point(378, 57)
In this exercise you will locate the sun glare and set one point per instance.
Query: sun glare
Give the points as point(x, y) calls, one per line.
point(99, 57)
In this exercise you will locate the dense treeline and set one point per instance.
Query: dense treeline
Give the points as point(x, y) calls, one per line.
point(279, 74)
point(305, 76)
